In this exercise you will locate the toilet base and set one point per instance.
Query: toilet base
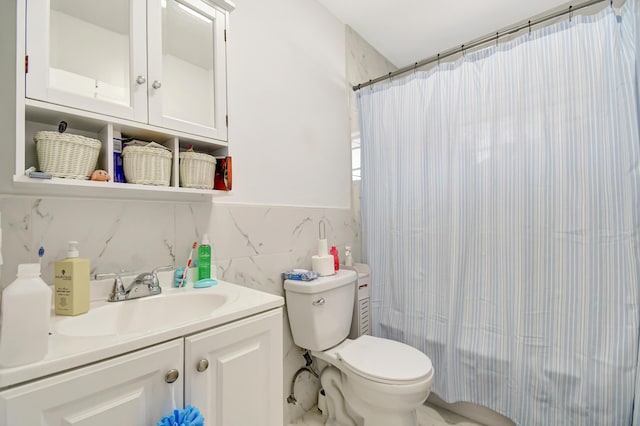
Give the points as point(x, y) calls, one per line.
point(338, 412)
point(351, 411)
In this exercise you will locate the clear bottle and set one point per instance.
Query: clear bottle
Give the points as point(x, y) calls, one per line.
point(348, 256)
point(26, 309)
point(204, 259)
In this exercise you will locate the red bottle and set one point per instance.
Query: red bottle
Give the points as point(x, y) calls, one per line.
point(336, 259)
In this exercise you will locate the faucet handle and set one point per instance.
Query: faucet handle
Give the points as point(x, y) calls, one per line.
point(117, 292)
point(162, 269)
point(154, 273)
point(104, 276)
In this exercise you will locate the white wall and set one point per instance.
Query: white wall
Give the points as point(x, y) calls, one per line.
point(288, 113)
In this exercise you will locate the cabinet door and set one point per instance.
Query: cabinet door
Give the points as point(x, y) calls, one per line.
point(89, 55)
point(187, 67)
point(242, 384)
point(127, 390)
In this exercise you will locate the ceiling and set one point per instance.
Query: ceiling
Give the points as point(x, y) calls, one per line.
point(406, 31)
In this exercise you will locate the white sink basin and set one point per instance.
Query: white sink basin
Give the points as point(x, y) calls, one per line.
point(140, 315)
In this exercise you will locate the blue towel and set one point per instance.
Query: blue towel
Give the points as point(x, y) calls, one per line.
point(300, 275)
point(190, 416)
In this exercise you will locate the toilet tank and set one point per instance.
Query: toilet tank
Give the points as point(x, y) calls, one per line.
point(320, 311)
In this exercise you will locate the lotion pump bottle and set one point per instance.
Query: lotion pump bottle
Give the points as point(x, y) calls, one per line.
point(72, 283)
point(26, 309)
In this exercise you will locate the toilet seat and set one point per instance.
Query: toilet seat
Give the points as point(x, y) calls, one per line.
point(385, 361)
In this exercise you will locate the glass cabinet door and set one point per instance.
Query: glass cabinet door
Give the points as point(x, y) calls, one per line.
point(88, 54)
point(187, 70)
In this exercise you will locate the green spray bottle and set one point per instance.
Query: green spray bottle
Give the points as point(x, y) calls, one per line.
point(204, 259)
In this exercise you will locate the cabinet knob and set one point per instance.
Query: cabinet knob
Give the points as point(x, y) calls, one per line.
point(156, 84)
point(203, 364)
point(171, 376)
point(141, 80)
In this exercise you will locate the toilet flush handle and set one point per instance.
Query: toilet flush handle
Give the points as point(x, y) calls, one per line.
point(319, 302)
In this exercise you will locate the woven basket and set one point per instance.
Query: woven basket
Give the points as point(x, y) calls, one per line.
point(147, 165)
point(197, 170)
point(65, 155)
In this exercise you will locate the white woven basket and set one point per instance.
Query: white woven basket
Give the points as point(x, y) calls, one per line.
point(65, 155)
point(147, 165)
point(197, 170)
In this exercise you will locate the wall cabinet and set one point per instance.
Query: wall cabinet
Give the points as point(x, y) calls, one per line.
point(161, 63)
point(153, 70)
point(232, 373)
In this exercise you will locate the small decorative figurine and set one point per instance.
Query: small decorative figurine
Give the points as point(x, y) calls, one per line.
point(100, 176)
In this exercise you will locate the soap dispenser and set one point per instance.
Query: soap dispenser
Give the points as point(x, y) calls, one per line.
point(72, 283)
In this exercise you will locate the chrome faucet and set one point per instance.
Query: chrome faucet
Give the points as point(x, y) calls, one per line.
point(145, 284)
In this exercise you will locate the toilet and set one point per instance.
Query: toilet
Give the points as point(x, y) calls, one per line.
point(370, 381)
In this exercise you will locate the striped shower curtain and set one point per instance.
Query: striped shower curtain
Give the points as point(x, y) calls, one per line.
point(501, 220)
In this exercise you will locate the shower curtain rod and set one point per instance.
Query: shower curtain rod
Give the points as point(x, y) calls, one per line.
point(479, 42)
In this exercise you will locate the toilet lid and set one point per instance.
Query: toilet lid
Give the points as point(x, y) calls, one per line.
point(385, 360)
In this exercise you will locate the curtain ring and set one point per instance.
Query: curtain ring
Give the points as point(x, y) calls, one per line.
point(462, 50)
point(570, 12)
point(415, 68)
point(389, 76)
point(370, 85)
point(497, 39)
point(438, 59)
point(529, 27)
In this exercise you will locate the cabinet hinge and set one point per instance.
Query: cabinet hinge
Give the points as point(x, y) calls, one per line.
point(225, 36)
point(26, 64)
point(226, 117)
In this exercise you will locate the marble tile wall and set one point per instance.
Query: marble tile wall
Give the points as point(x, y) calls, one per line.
point(253, 245)
point(114, 235)
point(363, 63)
point(257, 243)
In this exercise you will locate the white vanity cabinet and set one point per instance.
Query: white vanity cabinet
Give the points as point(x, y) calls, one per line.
point(232, 373)
point(127, 390)
point(159, 62)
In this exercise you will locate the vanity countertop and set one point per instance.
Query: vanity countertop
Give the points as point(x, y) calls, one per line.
point(67, 351)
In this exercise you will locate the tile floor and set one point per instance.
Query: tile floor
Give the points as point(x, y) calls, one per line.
point(428, 415)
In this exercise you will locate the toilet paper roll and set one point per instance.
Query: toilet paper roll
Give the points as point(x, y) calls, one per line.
point(323, 265)
point(322, 248)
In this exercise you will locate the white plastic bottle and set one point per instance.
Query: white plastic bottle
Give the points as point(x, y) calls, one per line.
point(26, 309)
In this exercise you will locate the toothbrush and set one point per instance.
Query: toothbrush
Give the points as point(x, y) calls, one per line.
point(40, 254)
point(186, 268)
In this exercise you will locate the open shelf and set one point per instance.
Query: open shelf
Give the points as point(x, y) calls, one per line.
point(90, 189)
point(45, 116)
